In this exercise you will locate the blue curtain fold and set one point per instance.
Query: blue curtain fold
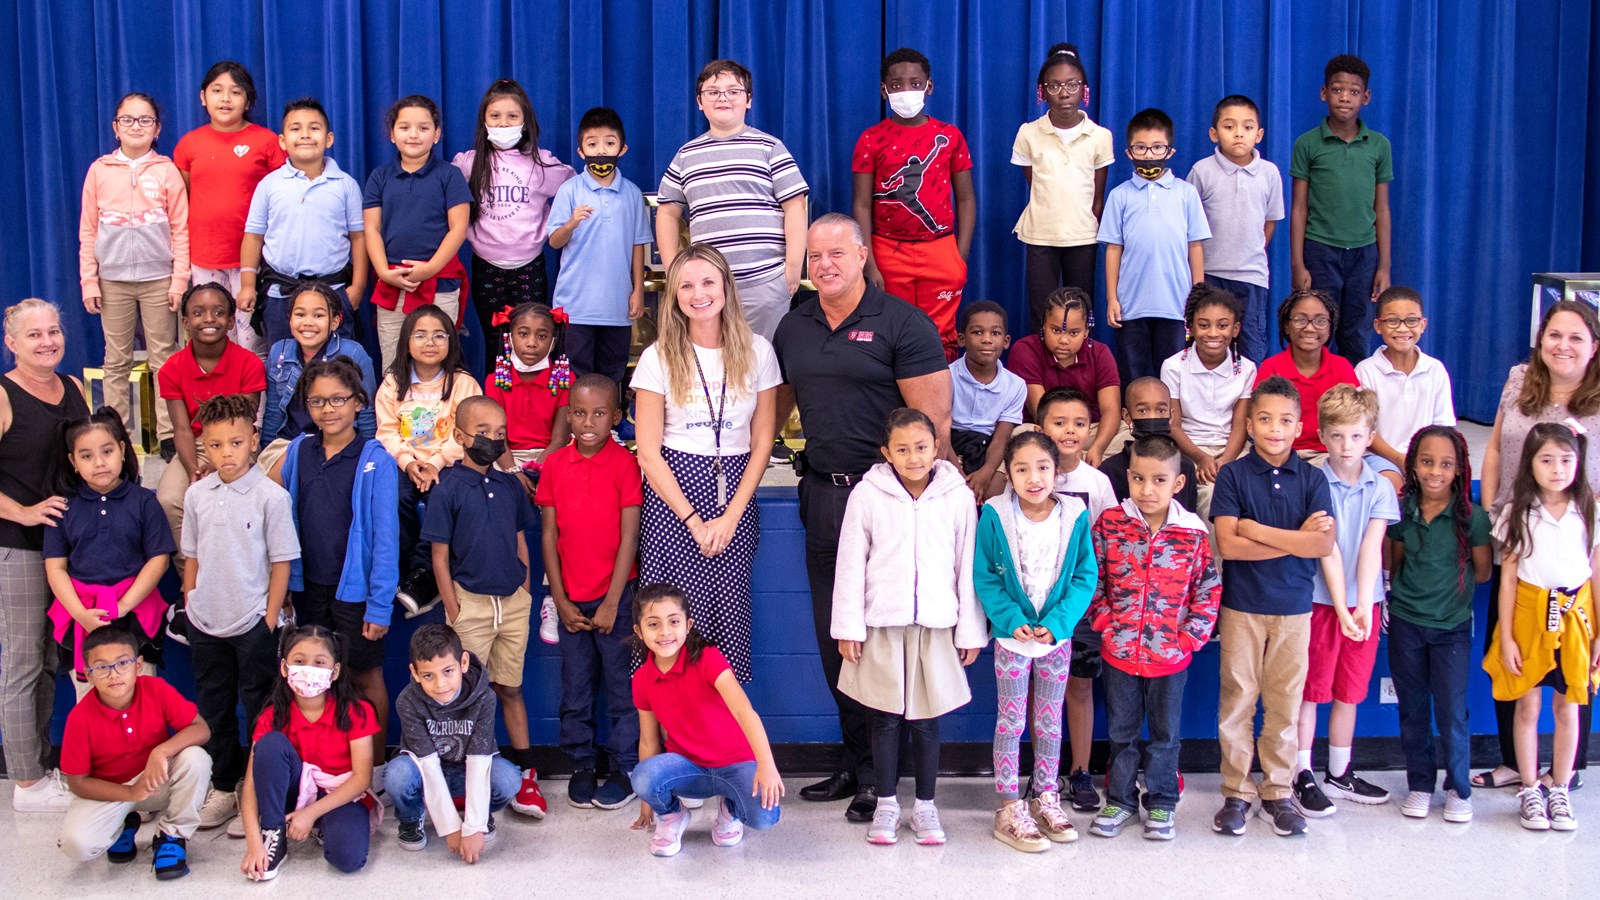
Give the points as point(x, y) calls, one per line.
point(1493, 109)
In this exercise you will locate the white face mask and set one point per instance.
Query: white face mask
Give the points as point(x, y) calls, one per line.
point(310, 681)
point(907, 104)
point(505, 137)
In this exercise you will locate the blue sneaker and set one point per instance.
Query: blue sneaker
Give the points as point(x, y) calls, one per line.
point(172, 857)
point(125, 849)
point(615, 793)
point(581, 789)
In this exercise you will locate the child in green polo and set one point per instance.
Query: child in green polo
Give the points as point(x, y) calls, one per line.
point(1339, 226)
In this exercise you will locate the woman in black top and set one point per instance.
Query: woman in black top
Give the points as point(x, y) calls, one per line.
point(35, 401)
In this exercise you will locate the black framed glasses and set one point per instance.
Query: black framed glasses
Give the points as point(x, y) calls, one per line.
point(335, 402)
point(1056, 88)
point(130, 121)
point(729, 94)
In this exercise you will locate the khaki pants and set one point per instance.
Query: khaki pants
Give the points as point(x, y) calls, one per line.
point(390, 320)
point(125, 305)
point(1202, 501)
point(495, 631)
point(90, 827)
point(170, 489)
point(1263, 657)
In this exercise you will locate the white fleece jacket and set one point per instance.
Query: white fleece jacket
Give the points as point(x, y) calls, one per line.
point(904, 561)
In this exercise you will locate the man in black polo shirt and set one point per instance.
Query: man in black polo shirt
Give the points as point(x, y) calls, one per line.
point(849, 358)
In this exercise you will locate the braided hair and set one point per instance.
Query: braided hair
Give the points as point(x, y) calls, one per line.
point(1205, 295)
point(1460, 491)
point(1286, 311)
point(560, 367)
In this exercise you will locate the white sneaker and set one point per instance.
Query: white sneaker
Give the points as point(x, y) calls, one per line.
point(1416, 804)
point(549, 622)
point(220, 806)
point(236, 828)
point(47, 795)
point(691, 802)
point(1456, 807)
point(885, 823)
point(1559, 810)
point(1533, 815)
point(925, 826)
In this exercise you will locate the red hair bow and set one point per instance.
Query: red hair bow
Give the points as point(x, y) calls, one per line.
point(560, 315)
point(503, 317)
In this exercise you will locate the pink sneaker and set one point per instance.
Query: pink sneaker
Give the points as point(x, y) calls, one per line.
point(727, 831)
point(668, 839)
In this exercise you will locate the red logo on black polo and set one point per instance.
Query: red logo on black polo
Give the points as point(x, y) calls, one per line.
point(859, 335)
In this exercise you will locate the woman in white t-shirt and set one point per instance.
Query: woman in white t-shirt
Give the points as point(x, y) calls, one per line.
point(705, 418)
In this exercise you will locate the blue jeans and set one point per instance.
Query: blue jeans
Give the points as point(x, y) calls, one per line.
point(1258, 336)
point(275, 317)
point(1132, 702)
point(275, 768)
point(1430, 667)
point(589, 661)
point(662, 780)
point(1146, 344)
point(1347, 275)
point(403, 779)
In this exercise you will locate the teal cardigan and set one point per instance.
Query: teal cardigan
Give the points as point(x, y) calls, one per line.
point(999, 584)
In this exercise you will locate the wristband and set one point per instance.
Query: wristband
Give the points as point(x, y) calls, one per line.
point(685, 519)
point(247, 269)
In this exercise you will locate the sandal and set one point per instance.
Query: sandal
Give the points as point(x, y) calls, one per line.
point(1486, 780)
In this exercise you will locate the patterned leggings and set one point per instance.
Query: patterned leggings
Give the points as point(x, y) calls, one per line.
point(1049, 689)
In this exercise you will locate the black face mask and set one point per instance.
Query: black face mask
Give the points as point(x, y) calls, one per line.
point(601, 166)
point(1152, 425)
point(484, 450)
point(1150, 169)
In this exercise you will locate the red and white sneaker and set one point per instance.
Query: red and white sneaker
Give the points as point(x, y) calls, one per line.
point(529, 800)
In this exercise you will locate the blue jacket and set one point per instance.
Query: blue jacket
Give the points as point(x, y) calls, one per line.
point(371, 572)
point(284, 366)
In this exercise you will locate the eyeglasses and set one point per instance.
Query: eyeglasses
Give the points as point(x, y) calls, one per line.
point(121, 667)
point(429, 337)
point(1054, 88)
point(1396, 321)
point(1149, 149)
point(1313, 321)
point(729, 94)
point(335, 402)
point(130, 121)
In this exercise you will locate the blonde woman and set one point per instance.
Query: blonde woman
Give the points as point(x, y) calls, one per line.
point(705, 418)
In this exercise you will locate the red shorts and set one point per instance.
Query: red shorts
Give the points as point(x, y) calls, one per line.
point(1339, 668)
point(929, 275)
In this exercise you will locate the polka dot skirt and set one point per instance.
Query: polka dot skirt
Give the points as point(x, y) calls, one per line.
point(718, 587)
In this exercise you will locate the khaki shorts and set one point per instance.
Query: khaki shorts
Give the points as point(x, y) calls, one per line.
point(495, 630)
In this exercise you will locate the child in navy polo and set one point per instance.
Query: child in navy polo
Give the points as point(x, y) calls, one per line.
point(132, 745)
point(304, 224)
point(415, 209)
point(599, 222)
point(1273, 518)
point(589, 495)
point(476, 518)
point(1153, 226)
point(987, 398)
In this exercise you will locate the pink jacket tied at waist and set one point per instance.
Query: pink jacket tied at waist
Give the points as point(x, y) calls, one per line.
point(313, 780)
point(98, 596)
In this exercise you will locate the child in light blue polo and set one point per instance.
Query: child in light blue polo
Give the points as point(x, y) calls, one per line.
point(599, 222)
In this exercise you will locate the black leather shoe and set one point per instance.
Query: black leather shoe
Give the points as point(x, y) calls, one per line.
point(862, 807)
point(837, 786)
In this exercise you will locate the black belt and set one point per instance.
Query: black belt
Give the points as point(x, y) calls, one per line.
point(841, 479)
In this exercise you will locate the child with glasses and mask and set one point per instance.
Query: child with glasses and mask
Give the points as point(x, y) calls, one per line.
point(747, 178)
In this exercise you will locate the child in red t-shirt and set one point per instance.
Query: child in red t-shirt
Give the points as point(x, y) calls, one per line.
point(716, 745)
point(132, 745)
point(1306, 320)
point(221, 163)
point(532, 384)
point(312, 747)
point(906, 169)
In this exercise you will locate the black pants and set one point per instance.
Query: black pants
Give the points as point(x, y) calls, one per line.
point(1048, 268)
point(1505, 711)
point(822, 506)
point(229, 672)
point(972, 447)
point(415, 553)
point(1145, 344)
point(599, 348)
point(886, 731)
point(494, 289)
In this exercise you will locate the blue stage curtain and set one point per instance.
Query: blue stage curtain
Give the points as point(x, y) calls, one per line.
point(1493, 108)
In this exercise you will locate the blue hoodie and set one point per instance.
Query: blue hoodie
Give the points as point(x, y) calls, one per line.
point(371, 572)
point(284, 365)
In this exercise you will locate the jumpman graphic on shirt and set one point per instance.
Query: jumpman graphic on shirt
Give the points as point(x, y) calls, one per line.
point(903, 186)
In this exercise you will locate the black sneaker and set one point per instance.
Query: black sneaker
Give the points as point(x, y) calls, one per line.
point(178, 624)
point(413, 836)
point(276, 843)
point(1309, 799)
point(1080, 790)
point(489, 832)
point(781, 454)
point(1285, 821)
point(418, 593)
point(1232, 818)
point(580, 790)
point(1353, 788)
point(125, 849)
point(171, 857)
point(615, 793)
point(168, 450)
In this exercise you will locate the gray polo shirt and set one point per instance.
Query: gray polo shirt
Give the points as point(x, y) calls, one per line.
point(1239, 202)
point(236, 531)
